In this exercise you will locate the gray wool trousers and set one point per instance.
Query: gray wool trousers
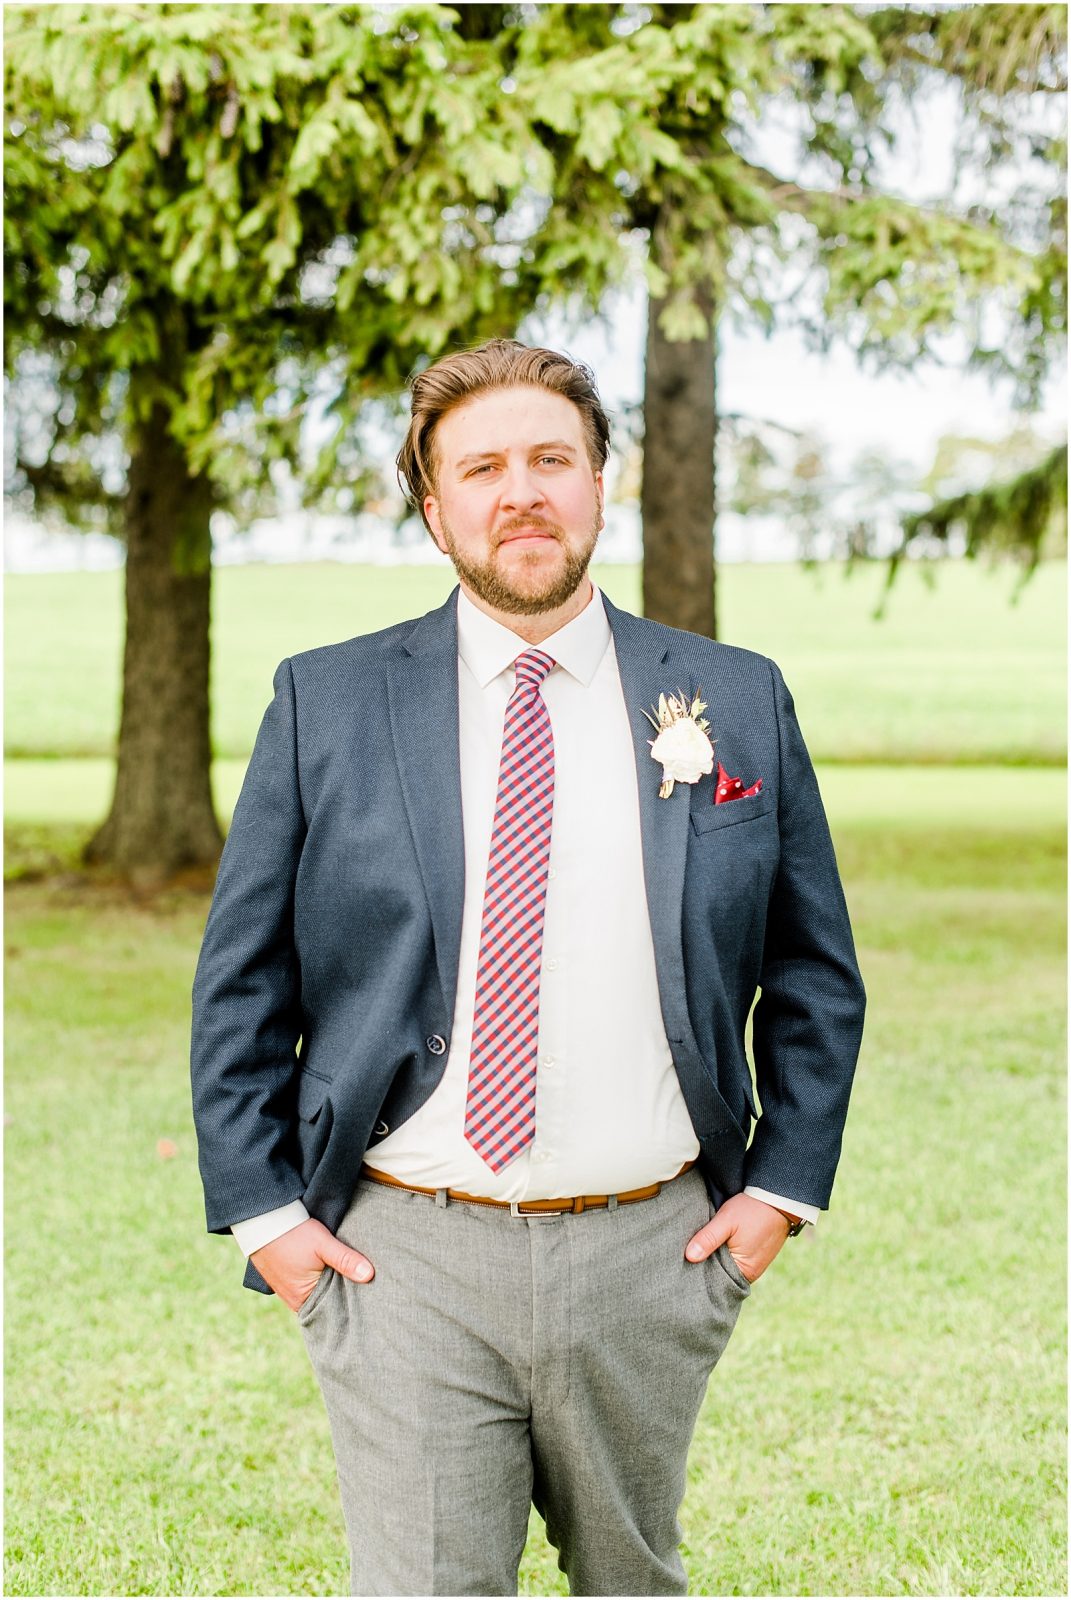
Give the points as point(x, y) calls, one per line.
point(498, 1361)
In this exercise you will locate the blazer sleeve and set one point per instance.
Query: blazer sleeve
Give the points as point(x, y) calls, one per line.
point(808, 1021)
point(247, 989)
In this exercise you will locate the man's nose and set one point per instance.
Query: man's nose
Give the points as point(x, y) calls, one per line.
point(521, 489)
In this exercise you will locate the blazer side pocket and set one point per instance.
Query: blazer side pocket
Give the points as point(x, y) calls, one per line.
point(312, 1092)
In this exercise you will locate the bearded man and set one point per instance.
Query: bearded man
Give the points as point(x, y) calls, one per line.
point(469, 1064)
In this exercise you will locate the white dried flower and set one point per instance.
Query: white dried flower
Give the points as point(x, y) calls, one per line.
point(682, 747)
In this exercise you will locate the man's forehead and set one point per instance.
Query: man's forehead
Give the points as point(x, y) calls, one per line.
point(505, 419)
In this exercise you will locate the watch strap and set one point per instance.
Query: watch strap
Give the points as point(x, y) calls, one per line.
point(796, 1225)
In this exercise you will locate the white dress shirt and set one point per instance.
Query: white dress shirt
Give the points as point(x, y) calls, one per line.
point(610, 1115)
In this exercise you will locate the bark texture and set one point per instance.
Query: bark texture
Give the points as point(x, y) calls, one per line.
point(162, 818)
point(677, 493)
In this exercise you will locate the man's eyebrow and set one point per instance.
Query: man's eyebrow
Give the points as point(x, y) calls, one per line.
point(488, 455)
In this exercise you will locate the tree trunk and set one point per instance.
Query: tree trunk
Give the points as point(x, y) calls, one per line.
point(162, 819)
point(677, 493)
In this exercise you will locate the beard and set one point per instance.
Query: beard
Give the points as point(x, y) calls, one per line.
point(533, 586)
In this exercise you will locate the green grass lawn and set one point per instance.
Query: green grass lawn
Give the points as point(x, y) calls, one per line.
point(888, 1417)
point(954, 672)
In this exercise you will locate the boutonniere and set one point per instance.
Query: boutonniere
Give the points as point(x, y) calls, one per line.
point(683, 746)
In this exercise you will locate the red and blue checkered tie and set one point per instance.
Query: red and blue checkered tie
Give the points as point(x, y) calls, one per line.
point(500, 1109)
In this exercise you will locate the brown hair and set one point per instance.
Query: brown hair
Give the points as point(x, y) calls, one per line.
point(498, 364)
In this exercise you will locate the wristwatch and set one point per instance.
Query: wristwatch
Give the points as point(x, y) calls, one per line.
point(796, 1225)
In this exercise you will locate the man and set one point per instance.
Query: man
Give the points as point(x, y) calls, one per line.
point(468, 1060)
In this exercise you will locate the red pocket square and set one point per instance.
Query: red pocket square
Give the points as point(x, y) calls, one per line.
point(728, 788)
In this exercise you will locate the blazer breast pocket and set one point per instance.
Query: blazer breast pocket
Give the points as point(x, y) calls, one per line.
point(707, 817)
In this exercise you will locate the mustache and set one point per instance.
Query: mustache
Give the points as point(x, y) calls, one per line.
point(535, 524)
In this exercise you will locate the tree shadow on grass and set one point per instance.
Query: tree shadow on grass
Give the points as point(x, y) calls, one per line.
point(52, 853)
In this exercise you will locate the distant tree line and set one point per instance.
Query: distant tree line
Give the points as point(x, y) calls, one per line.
point(223, 218)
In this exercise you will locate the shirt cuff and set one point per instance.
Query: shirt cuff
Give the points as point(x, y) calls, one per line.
point(798, 1208)
point(256, 1232)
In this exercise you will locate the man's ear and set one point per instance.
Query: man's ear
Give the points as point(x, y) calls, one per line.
point(600, 490)
point(431, 512)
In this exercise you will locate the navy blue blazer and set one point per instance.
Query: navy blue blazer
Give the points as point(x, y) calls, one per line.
point(325, 989)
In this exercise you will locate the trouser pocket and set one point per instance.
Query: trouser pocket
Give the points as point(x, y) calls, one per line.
point(319, 1289)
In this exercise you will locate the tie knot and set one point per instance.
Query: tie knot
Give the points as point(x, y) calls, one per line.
point(532, 667)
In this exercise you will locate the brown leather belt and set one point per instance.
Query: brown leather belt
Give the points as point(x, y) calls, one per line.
point(527, 1208)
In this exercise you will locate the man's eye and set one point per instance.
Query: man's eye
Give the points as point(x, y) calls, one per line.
point(558, 461)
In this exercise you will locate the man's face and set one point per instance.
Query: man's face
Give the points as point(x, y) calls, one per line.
point(517, 506)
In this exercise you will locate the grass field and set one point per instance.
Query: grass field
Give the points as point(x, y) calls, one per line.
point(954, 672)
point(888, 1417)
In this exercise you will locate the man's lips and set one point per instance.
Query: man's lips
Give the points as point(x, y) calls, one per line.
point(525, 534)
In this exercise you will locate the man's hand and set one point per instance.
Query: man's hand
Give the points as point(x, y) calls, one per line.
point(292, 1263)
point(753, 1230)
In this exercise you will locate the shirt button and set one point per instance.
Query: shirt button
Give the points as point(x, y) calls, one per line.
point(548, 1061)
point(436, 1044)
point(542, 1155)
point(552, 966)
point(552, 873)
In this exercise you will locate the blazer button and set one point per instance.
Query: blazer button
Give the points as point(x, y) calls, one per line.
point(436, 1044)
point(381, 1129)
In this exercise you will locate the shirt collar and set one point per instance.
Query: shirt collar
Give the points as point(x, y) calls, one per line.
point(488, 648)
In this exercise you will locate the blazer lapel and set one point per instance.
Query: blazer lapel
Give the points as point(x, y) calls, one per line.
point(422, 694)
point(647, 670)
